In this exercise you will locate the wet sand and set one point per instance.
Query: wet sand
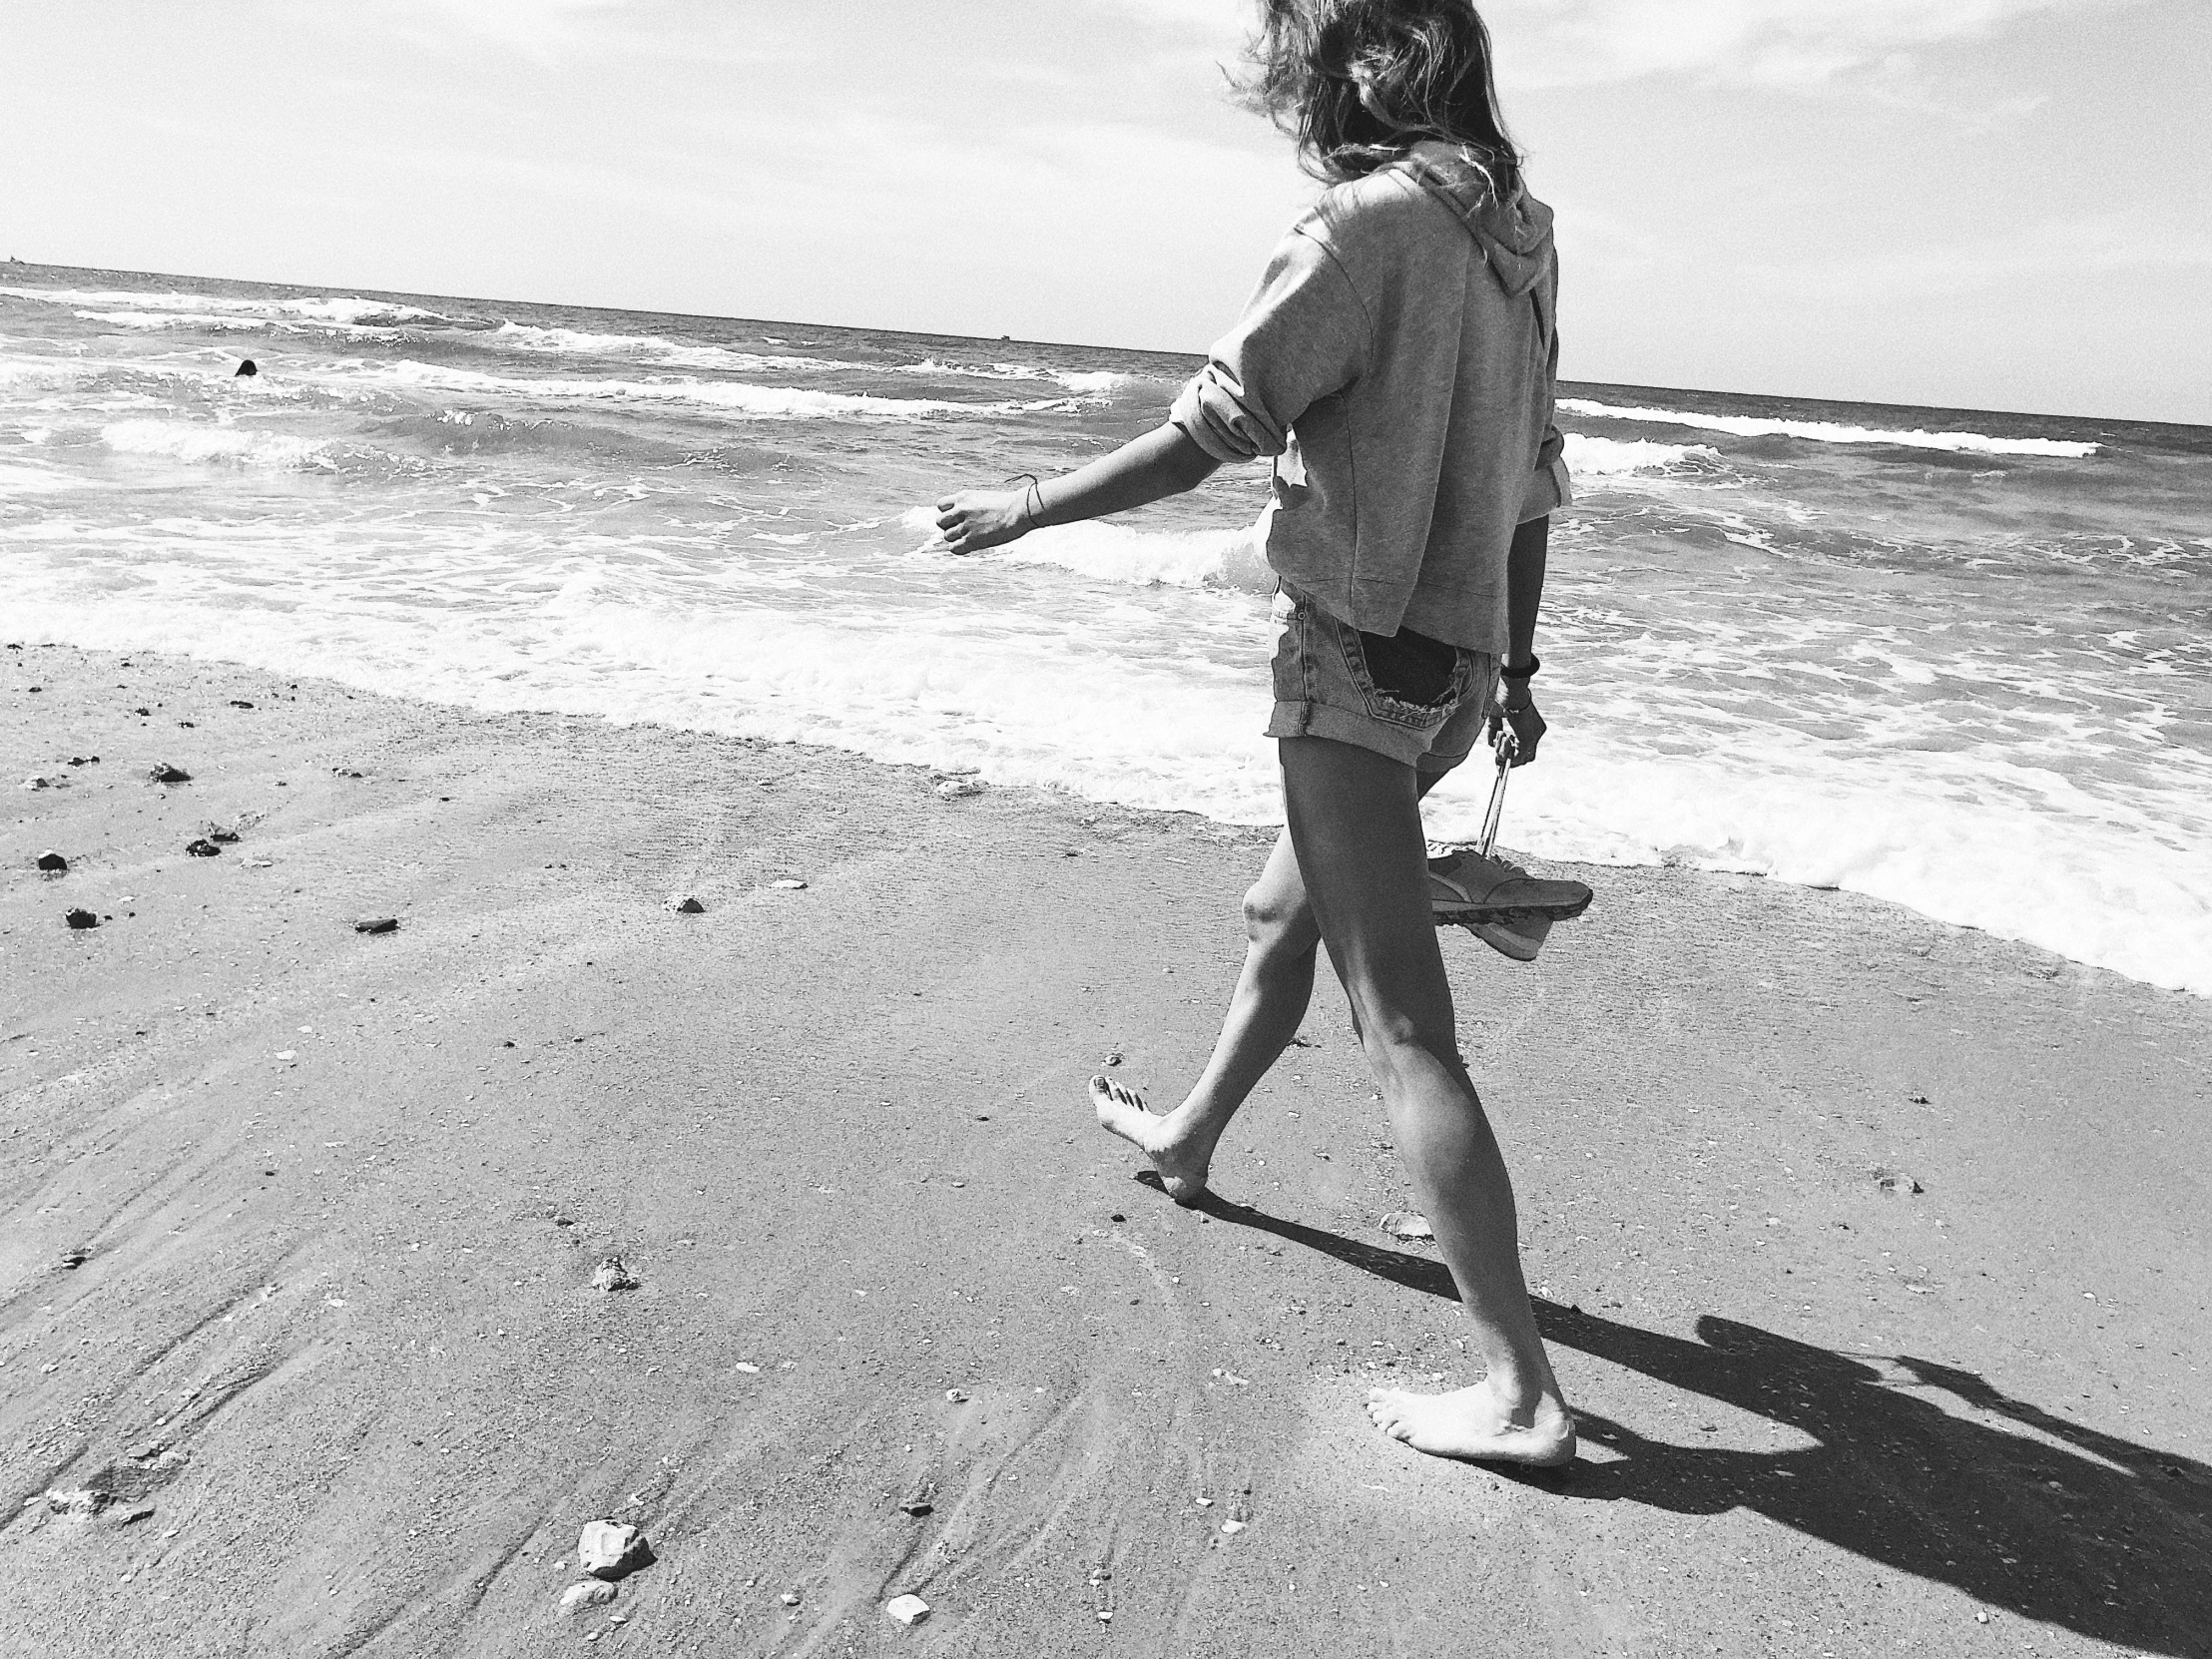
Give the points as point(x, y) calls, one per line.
point(330, 1357)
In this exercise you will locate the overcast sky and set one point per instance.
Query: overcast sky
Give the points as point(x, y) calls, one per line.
point(1986, 204)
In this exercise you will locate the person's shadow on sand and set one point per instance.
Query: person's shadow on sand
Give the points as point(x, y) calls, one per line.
point(2047, 1518)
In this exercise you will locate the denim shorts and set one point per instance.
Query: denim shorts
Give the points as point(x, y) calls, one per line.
point(1403, 695)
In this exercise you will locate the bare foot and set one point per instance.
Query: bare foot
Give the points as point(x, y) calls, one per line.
point(1122, 1112)
point(1472, 1424)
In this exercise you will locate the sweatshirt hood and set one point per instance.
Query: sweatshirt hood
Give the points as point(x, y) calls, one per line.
point(1514, 232)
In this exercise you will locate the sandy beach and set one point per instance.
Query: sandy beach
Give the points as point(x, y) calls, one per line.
point(1872, 1250)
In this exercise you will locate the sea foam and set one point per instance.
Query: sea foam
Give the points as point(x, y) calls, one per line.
point(1589, 457)
point(1823, 431)
point(348, 311)
point(728, 396)
point(189, 441)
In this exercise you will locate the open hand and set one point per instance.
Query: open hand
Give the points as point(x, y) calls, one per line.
point(976, 519)
point(1528, 727)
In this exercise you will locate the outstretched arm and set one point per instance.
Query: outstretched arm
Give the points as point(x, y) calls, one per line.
point(1163, 462)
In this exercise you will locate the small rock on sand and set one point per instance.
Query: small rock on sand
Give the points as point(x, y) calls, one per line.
point(957, 1396)
point(167, 774)
point(202, 849)
point(908, 1609)
point(83, 1501)
point(685, 905)
point(790, 884)
point(222, 836)
point(953, 788)
point(1897, 1183)
point(611, 1550)
point(790, 1598)
point(81, 918)
point(920, 1499)
point(1408, 1224)
point(613, 1275)
point(52, 863)
point(76, 1255)
point(35, 781)
point(377, 925)
point(592, 1592)
point(1233, 1527)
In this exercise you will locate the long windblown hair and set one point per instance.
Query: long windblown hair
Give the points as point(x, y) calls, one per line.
point(1357, 83)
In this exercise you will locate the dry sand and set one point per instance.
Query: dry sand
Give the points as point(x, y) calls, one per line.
point(335, 1202)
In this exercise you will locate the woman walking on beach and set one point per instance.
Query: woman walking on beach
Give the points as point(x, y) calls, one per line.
point(1397, 363)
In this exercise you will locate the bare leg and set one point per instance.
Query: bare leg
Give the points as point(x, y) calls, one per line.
point(1264, 1015)
point(1355, 821)
point(1264, 1012)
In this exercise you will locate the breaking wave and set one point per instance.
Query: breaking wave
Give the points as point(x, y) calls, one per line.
point(1823, 431)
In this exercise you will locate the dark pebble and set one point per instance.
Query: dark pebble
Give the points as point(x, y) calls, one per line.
point(381, 924)
point(240, 703)
point(202, 849)
point(52, 862)
point(167, 774)
point(76, 1255)
point(82, 918)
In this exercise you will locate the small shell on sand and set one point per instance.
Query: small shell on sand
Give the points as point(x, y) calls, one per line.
point(592, 1592)
point(613, 1274)
point(609, 1549)
point(1408, 1224)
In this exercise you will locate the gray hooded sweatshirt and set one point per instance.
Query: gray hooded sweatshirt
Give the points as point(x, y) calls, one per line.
point(1398, 361)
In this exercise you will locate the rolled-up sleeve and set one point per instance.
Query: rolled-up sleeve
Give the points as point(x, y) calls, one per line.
point(1302, 336)
point(1549, 487)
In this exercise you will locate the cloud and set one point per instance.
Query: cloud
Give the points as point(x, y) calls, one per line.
point(1787, 43)
point(1223, 20)
point(2074, 252)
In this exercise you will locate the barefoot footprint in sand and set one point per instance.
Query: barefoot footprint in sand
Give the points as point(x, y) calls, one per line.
point(1473, 1423)
point(1179, 1159)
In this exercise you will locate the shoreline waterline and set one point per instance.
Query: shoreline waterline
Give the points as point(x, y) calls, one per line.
point(1963, 664)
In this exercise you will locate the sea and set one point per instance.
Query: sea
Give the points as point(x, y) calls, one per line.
point(1959, 660)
